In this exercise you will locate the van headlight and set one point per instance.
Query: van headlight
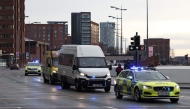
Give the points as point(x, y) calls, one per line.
point(114, 81)
point(177, 87)
point(147, 87)
point(108, 74)
point(82, 74)
point(54, 72)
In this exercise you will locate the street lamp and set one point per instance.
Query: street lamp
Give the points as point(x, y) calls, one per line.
point(147, 30)
point(117, 34)
point(121, 9)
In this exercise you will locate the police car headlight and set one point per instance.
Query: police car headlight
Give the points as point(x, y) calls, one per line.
point(114, 81)
point(147, 87)
point(54, 72)
point(108, 74)
point(177, 87)
point(82, 74)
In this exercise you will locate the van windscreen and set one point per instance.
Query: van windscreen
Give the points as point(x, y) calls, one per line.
point(92, 62)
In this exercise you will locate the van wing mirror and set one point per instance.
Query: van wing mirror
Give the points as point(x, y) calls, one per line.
point(110, 67)
point(168, 77)
point(75, 67)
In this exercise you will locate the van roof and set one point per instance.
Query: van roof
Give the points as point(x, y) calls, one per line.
point(85, 50)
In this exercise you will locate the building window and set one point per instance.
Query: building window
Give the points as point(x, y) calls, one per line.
point(6, 7)
point(6, 17)
point(6, 26)
point(160, 43)
point(6, 36)
point(48, 39)
point(85, 20)
point(85, 15)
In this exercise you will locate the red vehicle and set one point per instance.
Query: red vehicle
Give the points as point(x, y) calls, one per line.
point(14, 66)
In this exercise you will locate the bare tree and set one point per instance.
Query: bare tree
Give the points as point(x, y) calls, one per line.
point(172, 53)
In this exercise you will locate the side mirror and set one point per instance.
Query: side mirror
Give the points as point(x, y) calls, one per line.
point(49, 65)
point(167, 77)
point(75, 67)
point(110, 67)
point(130, 77)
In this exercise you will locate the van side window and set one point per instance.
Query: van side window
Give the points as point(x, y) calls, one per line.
point(76, 62)
point(70, 57)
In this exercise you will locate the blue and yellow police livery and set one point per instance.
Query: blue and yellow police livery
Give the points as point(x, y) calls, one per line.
point(144, 83)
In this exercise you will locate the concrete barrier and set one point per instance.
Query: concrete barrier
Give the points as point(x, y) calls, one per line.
point(179, 74)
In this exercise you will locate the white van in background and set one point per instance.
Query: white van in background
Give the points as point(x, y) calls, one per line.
point(83, 66)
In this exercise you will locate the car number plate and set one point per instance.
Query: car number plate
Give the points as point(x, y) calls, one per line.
point(163, 93)
point(97, 85)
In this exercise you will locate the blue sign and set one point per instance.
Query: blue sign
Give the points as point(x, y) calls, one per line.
point(27, 55)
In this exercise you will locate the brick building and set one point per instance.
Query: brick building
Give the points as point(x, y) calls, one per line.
point(94, 33)
point(55, 33)
point(35, 49)
point(12, 28)
point(161, 47)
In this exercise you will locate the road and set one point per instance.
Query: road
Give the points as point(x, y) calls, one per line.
point(29, 92)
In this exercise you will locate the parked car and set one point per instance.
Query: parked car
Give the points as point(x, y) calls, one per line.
point(14, 66)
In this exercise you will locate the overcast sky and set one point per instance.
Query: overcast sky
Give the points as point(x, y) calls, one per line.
point(167, 18)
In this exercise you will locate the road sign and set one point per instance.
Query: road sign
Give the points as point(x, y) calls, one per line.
point(27, 55)
point(137, 48)
point(17, 55)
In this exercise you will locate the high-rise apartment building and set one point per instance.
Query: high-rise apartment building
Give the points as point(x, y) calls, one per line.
point(94, 33)
point(81, 28)
point(160, 46)
point(12, 29)
point(107, 35)
point(54, 32)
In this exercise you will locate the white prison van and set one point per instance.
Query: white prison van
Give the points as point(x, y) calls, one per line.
point(83, 66)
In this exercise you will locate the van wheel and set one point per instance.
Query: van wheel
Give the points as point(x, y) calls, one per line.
point(26, 74)
point(63, 84)
point(78, 86)
point(107, 89)
point(51, 80)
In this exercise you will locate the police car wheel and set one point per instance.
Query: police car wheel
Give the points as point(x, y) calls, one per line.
point(117, 93)
point(78, 86)
point(174, 100)
point(137, 95)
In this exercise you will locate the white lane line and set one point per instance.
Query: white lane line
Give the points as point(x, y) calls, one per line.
point(18, 76)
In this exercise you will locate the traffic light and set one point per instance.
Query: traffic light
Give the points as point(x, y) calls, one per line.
point(132, 38)
point(137, 40)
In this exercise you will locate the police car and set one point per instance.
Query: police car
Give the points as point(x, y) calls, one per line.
point(33, 68)
point(145, 83)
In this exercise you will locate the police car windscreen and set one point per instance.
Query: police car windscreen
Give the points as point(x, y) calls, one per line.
point(154, 75)
point(32, 64)
point(93, 62)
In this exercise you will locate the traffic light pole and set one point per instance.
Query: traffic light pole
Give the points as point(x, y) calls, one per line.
point(136, 58)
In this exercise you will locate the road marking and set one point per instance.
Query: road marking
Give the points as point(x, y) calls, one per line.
point(18, 76)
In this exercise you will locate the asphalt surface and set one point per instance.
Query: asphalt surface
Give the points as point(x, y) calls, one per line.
point(29, 92)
